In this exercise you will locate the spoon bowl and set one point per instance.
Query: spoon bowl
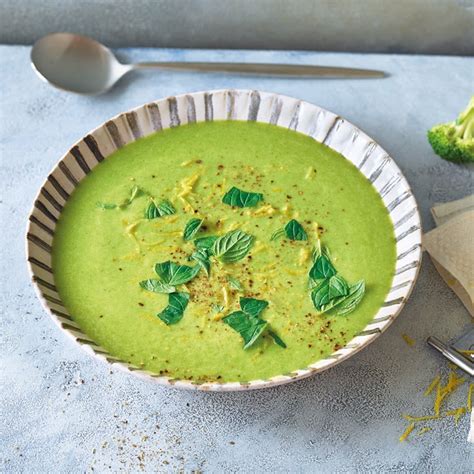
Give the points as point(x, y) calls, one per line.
point(76, 63)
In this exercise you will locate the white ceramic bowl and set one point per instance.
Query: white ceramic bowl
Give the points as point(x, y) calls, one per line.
point(323, 126)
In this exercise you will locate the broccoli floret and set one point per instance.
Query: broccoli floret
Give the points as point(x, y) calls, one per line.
point(454, 141)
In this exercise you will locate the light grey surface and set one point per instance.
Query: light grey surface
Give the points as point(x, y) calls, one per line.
point(63, 411)
point(402, 26)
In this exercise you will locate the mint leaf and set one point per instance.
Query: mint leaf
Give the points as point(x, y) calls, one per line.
point(134, 192)
point(294, 231)
point(202, 258)
point(252, 306)
point(248, 324)
point(318, 251)
point(164, 208)
point(249, 328)
point(277, 339)
point(106, 205)
point(337, 287)
point(173, 313)
point(322, 268)
point(157, 286)
point(329, 289)
point(277, 234)
point(205, 242)
point(320, 295)
point(234, 283)
point(232, 246)
point(346, 304)
point(217, 308)
point(192, 227)
point(175, 274)
point(356, 293)
point(239, 198)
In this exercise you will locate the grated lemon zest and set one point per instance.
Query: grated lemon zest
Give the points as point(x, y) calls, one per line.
point(295, 272)
point(424, 430)
point(286, 209)
point(130, 231)
point(407, 432)
point(309, 173)
point(432, 385)
point(454, 381)
point(153, 244)
point(456, 413)
point(258, 247)
point(232, 226)
point(469, 397)
point(408, 340)
point(225, 294)
point(265, 210)
point(422, 418)
point(186, 204)
point(219, 316)
point(304, 255)
point(187, 187)
point(442, 392)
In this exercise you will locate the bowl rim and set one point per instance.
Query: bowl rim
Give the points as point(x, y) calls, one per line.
point(73, 331)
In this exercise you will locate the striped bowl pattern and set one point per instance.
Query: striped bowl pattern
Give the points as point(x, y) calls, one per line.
point(251, 105)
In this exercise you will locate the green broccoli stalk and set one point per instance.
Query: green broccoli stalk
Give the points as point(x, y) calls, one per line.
point(454, 141)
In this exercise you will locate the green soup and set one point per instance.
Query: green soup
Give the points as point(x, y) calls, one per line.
point(100, 255)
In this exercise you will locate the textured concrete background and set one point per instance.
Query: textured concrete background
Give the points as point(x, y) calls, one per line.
point(64, 411)
point(402, 26)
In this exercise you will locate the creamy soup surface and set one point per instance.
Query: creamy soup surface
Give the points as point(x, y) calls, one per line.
point(130, 213)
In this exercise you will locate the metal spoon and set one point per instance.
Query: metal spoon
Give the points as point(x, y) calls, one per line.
point(82, 65)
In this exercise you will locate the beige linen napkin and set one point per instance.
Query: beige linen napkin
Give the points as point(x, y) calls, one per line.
point(451, 247)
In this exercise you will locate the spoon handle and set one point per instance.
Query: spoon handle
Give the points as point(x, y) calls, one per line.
point(268, 69)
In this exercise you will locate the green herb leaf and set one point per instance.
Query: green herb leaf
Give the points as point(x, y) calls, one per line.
point(320, 295)
point(345, 304)
point(330, 290)
point(294, 231)
point(232, 246)
point(248, 323)
point(202, 258)
point(277, 339)
point(134, 192)
point(173, 313)
point(164, 208)
point(318, 251)
point(249, 328)
point(106, 205)
point(322, 268)
point(157, 286)
point(205, 242)
point(234, 283)
point(239, 198)
point(356, 293)
point(175, 274)
point(277, 234)
point(192, 228)
point(252, 306)
point(217, 308)
point(337, 287)
point(329, 293)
